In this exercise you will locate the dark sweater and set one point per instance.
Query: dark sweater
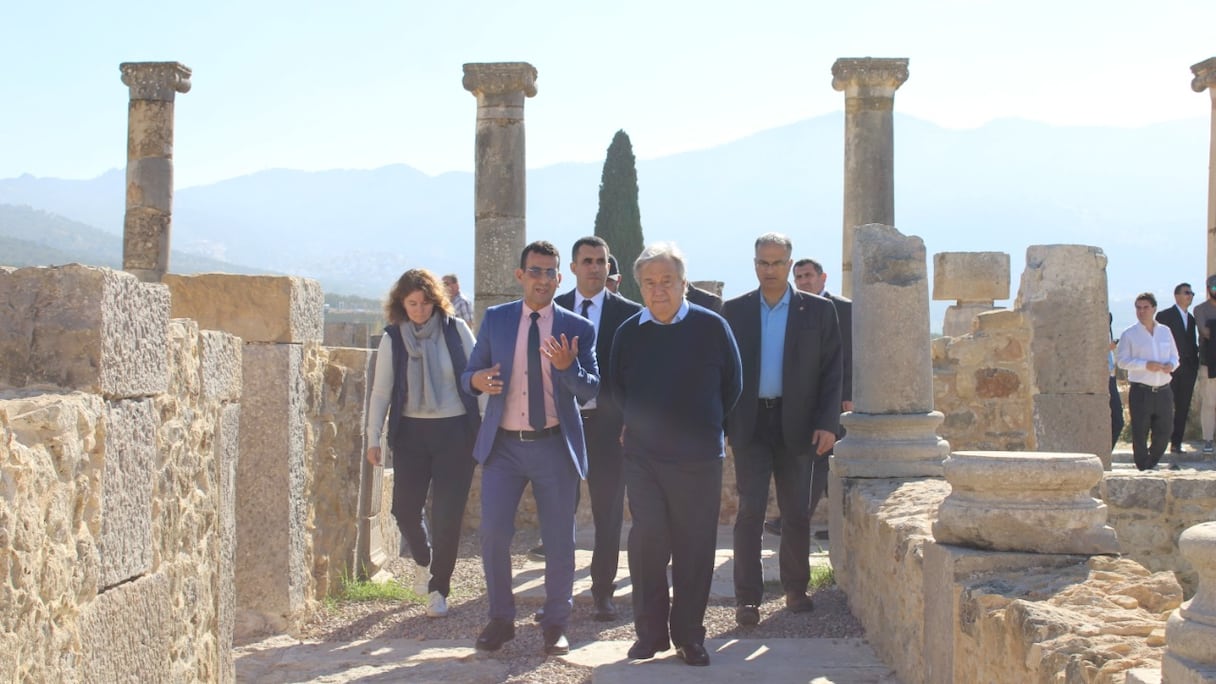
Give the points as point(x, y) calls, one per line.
point(675, 385)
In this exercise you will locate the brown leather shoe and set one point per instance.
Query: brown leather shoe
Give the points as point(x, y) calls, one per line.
point(798, 602)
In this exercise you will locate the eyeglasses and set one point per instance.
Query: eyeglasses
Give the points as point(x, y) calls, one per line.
point(761, 263)
point(1187, 293)
point(536, 273)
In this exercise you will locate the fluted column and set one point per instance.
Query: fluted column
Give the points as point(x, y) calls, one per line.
point(1205, 79)
point(500, 189)
point(146, 226)
point(869, 87)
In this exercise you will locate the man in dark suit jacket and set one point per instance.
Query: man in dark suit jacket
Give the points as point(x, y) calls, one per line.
point(602, 419)
point(810, 277)
point(705, 298)
point(537, 363)
point(789, 412)
point(1182, 324)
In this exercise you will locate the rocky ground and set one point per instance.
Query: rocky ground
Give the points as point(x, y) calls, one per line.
point(347, 621)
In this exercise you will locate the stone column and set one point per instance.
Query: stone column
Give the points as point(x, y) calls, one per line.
point(1190, 632)
point(499, 195)
point(869, 87)
point(146, 227)
point(975, 280)
point(891, 430)
point(1205, 79)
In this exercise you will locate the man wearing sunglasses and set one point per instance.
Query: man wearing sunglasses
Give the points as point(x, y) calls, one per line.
point(536, 361)
point(1181, 323)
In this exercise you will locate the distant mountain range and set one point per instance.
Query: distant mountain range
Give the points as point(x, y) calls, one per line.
point(1140, 194)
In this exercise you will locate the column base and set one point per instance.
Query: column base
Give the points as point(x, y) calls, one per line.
point(890, 445)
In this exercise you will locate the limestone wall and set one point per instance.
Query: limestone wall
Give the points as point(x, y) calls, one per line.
point(117, 449)
point(939, 613)
point(981, 382)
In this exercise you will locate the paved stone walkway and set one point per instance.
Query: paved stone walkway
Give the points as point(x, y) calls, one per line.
point(281, 659)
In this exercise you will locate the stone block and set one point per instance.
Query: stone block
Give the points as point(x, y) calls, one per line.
point(1073, 423)
point(346, 334)
point(272, 571)
point(1135, 492)
point(125, 544)
point(1188, 488)
point(84, 328)
point(970, 276)
point(960, 318)
point(999, 319)
point(220, 365)
point(254, 308)
point(126, 633)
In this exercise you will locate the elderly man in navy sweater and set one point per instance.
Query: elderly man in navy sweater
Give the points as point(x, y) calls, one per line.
point(675, 374)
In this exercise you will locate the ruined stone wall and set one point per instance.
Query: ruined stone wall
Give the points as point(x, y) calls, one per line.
point(996, 617)
point(118, 433)
point(981, 382)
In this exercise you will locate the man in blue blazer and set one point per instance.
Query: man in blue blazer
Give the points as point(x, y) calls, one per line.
point(536, 361)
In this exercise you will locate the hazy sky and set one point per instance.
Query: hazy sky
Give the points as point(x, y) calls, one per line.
point(360, 84)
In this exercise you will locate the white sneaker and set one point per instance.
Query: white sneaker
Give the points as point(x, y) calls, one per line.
point(422, 579)
point(437, 606)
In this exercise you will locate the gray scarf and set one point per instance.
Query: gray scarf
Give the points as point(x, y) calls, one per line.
point(424, 344)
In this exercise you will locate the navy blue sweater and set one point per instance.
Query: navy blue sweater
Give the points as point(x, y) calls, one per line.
point(675, 385)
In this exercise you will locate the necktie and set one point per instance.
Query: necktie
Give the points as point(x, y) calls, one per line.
point(586, 306)
point(536, 388)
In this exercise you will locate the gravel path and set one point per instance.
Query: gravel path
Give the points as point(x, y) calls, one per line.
point(468, 614)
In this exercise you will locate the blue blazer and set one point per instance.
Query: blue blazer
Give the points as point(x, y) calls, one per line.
point(576, 385)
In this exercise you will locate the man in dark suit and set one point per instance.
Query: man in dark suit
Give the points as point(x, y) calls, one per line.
point(601, 418)
point(789, 413)
point(810, 277)
point(537, 363)
point(1182, 324)
point(705, 298)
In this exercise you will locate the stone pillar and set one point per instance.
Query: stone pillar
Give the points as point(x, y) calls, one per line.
point(1190, 632)
point(146, 226)
point(499, 195)
point(1062, 297)
point(1024, 501)
point(869, 87)
point(891, 430)
point(1205, 79)
point(975, 280)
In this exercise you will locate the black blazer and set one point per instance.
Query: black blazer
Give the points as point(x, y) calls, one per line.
point(616, 310)
point(844, 314)
point(705, 298)
point(811, 370)
point(1184, 335)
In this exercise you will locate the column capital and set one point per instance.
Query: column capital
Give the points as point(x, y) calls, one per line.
point(1205, 76)
point(849, 74)
point(499, 78)
point(155, 80)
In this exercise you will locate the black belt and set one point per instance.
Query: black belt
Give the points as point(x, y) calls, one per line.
point(531, 435)
point(1151, 388)
point(770, 403)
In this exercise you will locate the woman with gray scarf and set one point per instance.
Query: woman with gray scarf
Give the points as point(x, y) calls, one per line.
point(432, 424)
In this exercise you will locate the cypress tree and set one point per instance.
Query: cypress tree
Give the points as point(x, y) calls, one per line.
point(619, 221)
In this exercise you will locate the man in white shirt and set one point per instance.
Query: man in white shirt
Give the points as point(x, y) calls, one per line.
point(1148, 353)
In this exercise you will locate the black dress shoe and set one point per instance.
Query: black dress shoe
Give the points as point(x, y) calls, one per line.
point(773, 527)
point(605, 611)
point(747, 615)
point(497, 633)
point(799, 602)
point(556, 642)
point(641, 651)
point(821, 534)
point(693, 654)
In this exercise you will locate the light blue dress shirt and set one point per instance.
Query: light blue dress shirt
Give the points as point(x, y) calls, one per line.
point(772, 344)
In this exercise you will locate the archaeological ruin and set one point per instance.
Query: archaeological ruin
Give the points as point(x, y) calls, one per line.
point(181, 456)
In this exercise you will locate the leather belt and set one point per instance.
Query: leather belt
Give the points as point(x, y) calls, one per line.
point(1151, 388)
point(530, 435)
point(770, 403)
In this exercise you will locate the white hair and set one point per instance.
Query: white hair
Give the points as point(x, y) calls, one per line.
point(656, 251)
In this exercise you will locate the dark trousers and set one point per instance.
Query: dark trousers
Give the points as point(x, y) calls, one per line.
point(434, 454)
point(766, 457)
point(1152, 412)
point(675, 510)
point(1182, 384)
point(819, 482)
point(1116, 413)
point(511, 466)
point(606, 484)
